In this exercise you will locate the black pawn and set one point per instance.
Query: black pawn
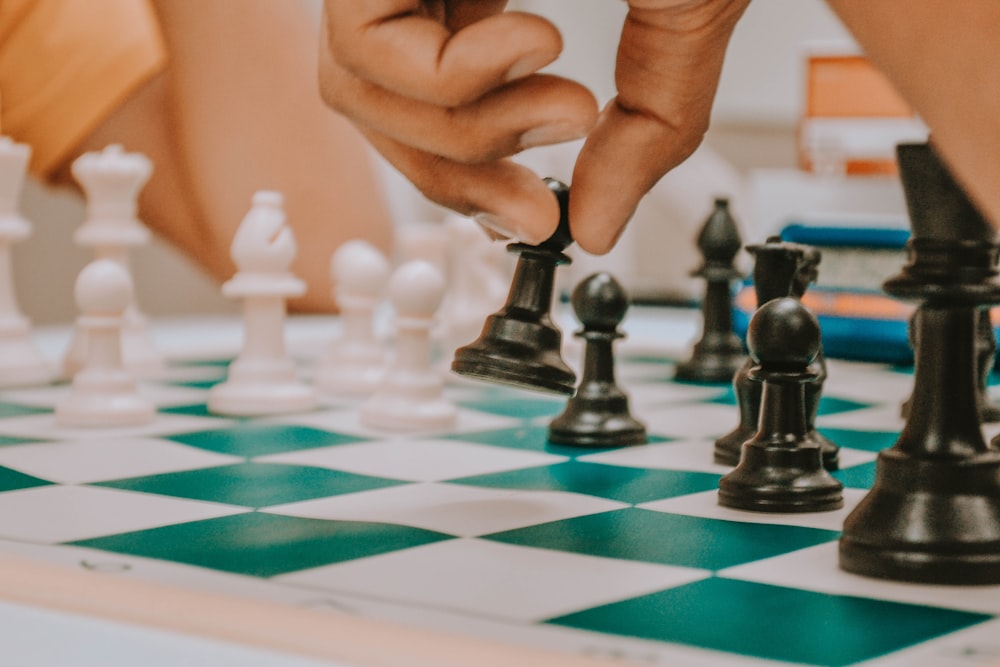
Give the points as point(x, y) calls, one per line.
point(719, 353)
point(775, 268)
point(519, 344)
point(781, 468)
point(933, 514)
point(598, 414)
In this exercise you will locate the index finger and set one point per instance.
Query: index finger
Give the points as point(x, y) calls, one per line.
point(395, 44)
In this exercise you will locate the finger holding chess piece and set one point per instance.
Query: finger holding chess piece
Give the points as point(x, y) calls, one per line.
point(519, 344)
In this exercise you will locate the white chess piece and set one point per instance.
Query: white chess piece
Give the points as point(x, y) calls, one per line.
point(356, 361)
point(111, 180)
point(411, 395)
point(104, 393)
point(479, 275)
point(21, 362)
point(263, 378)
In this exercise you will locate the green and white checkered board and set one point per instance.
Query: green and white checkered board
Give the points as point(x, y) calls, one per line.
point(487, 530)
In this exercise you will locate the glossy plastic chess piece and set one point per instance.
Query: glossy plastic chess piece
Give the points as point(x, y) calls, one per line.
point(781, 468)
point(519, 344)
point(598, 414)
point(112, 180)
point(410, 397)
point(263, 379)
point(781, 269)
point(775, 268)
point(356, 361)
point(104, 392)
point(933, 514)
point(21, 362)
point(719, 352)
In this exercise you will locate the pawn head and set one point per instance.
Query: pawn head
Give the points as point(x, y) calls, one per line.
point(359, 268)
point(783, 334)
point(561, 238)
point(416, 289)
point(104, 287)
point(600, 302)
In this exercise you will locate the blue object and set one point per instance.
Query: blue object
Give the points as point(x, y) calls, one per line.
point(845, 237)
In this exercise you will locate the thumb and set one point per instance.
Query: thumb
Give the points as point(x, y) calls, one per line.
point(669, 62)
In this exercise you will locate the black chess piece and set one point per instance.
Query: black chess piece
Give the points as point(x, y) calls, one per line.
point(986, 349)
point(781, 467)
point(775, 268)
point(519, 344)
point(598, 414)
point(805, 276)
point(719, 353)
point(933, 514)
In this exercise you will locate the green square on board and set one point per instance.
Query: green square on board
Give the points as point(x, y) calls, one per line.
point(253, 484)
point(264, 545)
point(773, 622)
point(254, 439)
point(668, 539)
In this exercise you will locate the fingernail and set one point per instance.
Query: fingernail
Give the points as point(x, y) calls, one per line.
point(498, 226)
point(551, 134)
point(528, 64)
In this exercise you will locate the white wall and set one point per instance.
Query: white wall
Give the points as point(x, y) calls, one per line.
point(762, 79)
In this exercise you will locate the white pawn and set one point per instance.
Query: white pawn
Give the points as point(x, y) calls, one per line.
point(21, 362)
point(263, 378)
point(411, 395)
point(356, 361)
point(104, 393)
point(111, 180)
point(479, 279)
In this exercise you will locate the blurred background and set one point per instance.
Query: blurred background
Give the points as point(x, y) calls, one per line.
point(759, 104)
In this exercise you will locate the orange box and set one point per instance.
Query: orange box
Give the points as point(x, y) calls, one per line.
point(853, 117)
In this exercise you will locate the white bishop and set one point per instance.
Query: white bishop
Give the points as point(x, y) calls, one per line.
point(263, 379)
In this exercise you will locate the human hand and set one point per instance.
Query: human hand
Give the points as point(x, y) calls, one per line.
point(447, 90)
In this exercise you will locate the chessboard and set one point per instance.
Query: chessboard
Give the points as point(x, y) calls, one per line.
point(314, 534)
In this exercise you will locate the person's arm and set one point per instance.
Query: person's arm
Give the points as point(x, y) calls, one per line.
point(944, 58)
point(236, 111)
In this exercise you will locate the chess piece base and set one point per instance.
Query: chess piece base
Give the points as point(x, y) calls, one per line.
point(780, 479)
point(497, 357)
point(603, 423)
point(729, 447)
point(352, 372)
point(933, 521)
point(105, 410)
point(408, 415)
point(247, 399)
point(714, 360)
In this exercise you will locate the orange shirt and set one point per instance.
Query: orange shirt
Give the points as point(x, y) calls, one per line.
point(66, 65)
